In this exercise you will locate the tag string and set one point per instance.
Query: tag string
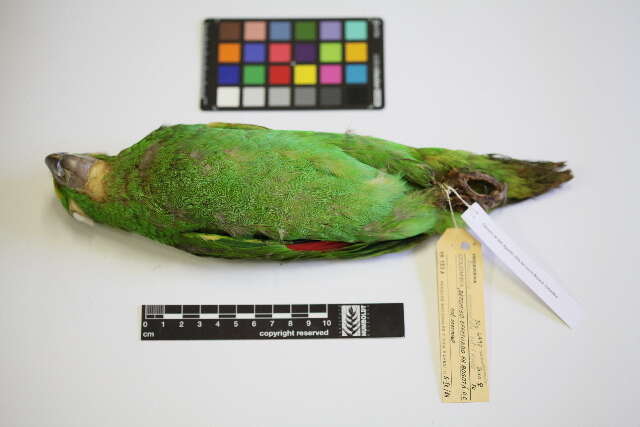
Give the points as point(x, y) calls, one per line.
point(448, 189)
point(457, 195)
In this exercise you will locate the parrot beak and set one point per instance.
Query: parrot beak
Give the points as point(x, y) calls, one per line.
point(54, 163)
point(70, 170)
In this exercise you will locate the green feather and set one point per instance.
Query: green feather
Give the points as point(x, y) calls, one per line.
point(243, 191)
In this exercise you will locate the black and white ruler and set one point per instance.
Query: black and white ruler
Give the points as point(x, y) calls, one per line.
point(275, 321)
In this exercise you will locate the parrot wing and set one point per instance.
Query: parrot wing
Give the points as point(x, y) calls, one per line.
point(386, 156)
point(510, 179)
point(223, 246)
point(425, 167)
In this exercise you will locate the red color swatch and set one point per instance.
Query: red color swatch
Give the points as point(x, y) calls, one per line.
point(279, 74)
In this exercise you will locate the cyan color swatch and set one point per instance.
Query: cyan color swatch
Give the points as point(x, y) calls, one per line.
point(355, 30)
point(356, 74)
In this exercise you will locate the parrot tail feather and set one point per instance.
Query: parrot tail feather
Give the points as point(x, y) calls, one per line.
point(530, 178)
point(493, 180)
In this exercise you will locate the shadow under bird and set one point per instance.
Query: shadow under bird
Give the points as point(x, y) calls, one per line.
point(244, 191)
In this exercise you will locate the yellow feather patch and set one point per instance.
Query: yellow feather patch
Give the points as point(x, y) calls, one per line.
point(94, 187)
point(214, 237)
point(210, 237)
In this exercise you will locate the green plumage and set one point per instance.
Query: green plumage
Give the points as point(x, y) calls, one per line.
point(241, 191)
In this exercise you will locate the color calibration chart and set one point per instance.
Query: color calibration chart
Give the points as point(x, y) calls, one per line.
point(293, 64)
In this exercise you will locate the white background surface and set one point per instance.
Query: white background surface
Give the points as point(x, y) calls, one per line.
point(539, 80)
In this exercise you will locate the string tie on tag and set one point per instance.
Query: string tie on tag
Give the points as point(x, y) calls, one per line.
point(447, 189)
point(453, 190)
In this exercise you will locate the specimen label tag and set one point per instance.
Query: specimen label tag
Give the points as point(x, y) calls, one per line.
point(538, 280)
point(463, 343)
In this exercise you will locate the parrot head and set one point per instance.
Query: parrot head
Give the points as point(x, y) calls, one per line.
point(77, 180)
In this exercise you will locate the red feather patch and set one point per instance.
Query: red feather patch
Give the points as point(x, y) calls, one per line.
point(317, 246)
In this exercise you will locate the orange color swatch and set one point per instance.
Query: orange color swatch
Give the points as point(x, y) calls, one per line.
point(229, 52)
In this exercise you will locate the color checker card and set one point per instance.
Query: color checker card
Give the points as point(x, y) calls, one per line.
point(293, 64)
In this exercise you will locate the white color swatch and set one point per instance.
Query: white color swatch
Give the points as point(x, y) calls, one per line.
point(228, 96)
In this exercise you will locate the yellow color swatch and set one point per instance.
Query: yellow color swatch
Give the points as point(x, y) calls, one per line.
point(356, 52)
point(304, 75)
point(229, 52)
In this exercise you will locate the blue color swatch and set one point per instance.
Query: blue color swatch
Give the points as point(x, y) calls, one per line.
point(228, 74)
point(280, 30)
point(254, 52)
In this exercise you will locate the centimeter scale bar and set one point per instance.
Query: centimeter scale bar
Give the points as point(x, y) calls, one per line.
point(269, 321)
point(279, 311)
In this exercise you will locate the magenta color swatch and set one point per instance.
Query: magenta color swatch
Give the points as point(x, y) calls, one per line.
point(330, 74)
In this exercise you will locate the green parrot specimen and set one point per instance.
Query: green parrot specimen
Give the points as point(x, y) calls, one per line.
point(244, 191)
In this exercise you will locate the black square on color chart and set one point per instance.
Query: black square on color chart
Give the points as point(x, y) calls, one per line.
point(357, 95)
point(293, 64)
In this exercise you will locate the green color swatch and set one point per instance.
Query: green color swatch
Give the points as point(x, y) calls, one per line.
point(330, 52)
point(253, 75)
point(305, 30)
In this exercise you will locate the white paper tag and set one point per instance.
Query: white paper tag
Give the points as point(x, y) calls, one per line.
point(522, 265)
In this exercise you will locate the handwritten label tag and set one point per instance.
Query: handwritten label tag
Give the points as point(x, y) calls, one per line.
point(463, 343)
point(540, 282)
